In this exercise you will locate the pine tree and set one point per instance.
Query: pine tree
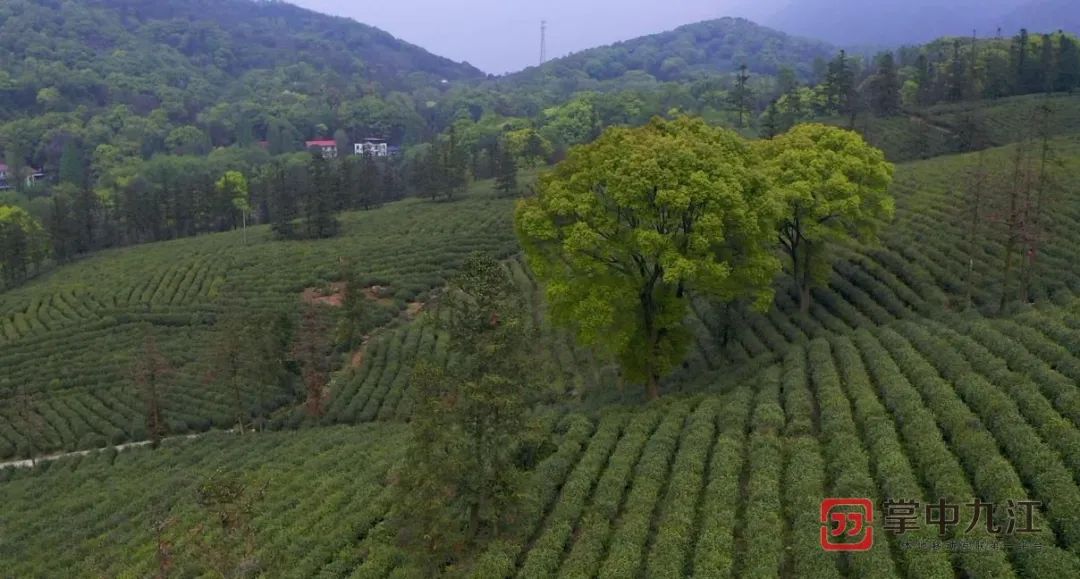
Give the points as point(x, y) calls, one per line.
point(86, 209)
point(461, 485)
point(957, 81)
point(370, 183)
point(885, 87)
point(454, 166)
point(840, 87)
point(281, 201)
point(354, 306)
point(506, 171)
point(741, 95)
point(320, 220)
point(924, 78)
point(227, 541)
point(1021, 68)
point(63, 230)
point(1068, 72)
point(770, 121)
point(1048, 72)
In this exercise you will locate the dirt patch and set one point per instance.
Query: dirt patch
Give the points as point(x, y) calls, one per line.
point(413, 309)
point(358, 356)
point(335, 297)
point(379, 294)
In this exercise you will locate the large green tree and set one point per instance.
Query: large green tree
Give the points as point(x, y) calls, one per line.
point(834, 188)
point(627, 227)
point(23, 244)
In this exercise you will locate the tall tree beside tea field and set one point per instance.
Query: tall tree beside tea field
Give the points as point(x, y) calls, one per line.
point(834, 188)
point(627, 227)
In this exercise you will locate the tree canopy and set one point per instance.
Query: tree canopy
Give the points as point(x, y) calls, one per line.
point(833, 187)
point(627, 227)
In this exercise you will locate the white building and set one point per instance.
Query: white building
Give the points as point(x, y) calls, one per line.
point(373, 147)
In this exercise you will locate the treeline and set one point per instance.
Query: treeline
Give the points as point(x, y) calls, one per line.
point(945, 71)
point(170, 197)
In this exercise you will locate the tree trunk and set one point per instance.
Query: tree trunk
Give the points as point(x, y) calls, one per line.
point(804, 298)
point(652, 386)
point(239, 406)
point(1006, 275)
point(474, 520)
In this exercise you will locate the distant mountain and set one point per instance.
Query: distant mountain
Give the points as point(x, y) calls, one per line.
point(894, 22)
point(691, 51)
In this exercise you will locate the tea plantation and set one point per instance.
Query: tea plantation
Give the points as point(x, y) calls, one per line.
point(891, 387)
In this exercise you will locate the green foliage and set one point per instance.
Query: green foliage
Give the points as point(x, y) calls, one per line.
point(647, 216)
point(833, 187)
point(461, 485)
point(506, 171)
point(23, 244)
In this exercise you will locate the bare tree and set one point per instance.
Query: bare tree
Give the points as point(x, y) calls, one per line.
point(30, 423)
point(1038, 206)
point(974, 211)
point(312, 351)
point(152, 373)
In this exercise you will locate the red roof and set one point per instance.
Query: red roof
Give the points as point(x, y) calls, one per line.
point(320, 144)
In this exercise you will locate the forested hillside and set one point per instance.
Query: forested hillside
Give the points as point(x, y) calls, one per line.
point(145, 77)
point(688, 53)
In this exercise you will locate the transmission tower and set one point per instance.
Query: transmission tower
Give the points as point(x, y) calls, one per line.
point(543, 41)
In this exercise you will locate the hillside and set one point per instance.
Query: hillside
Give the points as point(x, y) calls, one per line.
point(710, 48)
point(952, 128)
point(180, 289)
point(884, 390)
point(724, 484)
point(128, 75)
point(301, 382)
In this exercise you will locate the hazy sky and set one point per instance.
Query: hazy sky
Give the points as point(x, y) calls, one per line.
point(500, 36)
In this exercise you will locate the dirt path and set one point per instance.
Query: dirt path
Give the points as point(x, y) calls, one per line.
point(27, 463)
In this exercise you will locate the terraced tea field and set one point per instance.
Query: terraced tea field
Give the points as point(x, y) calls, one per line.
point(947, 129)
point(83, 389)
point(712, 485)
point(889, 388)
